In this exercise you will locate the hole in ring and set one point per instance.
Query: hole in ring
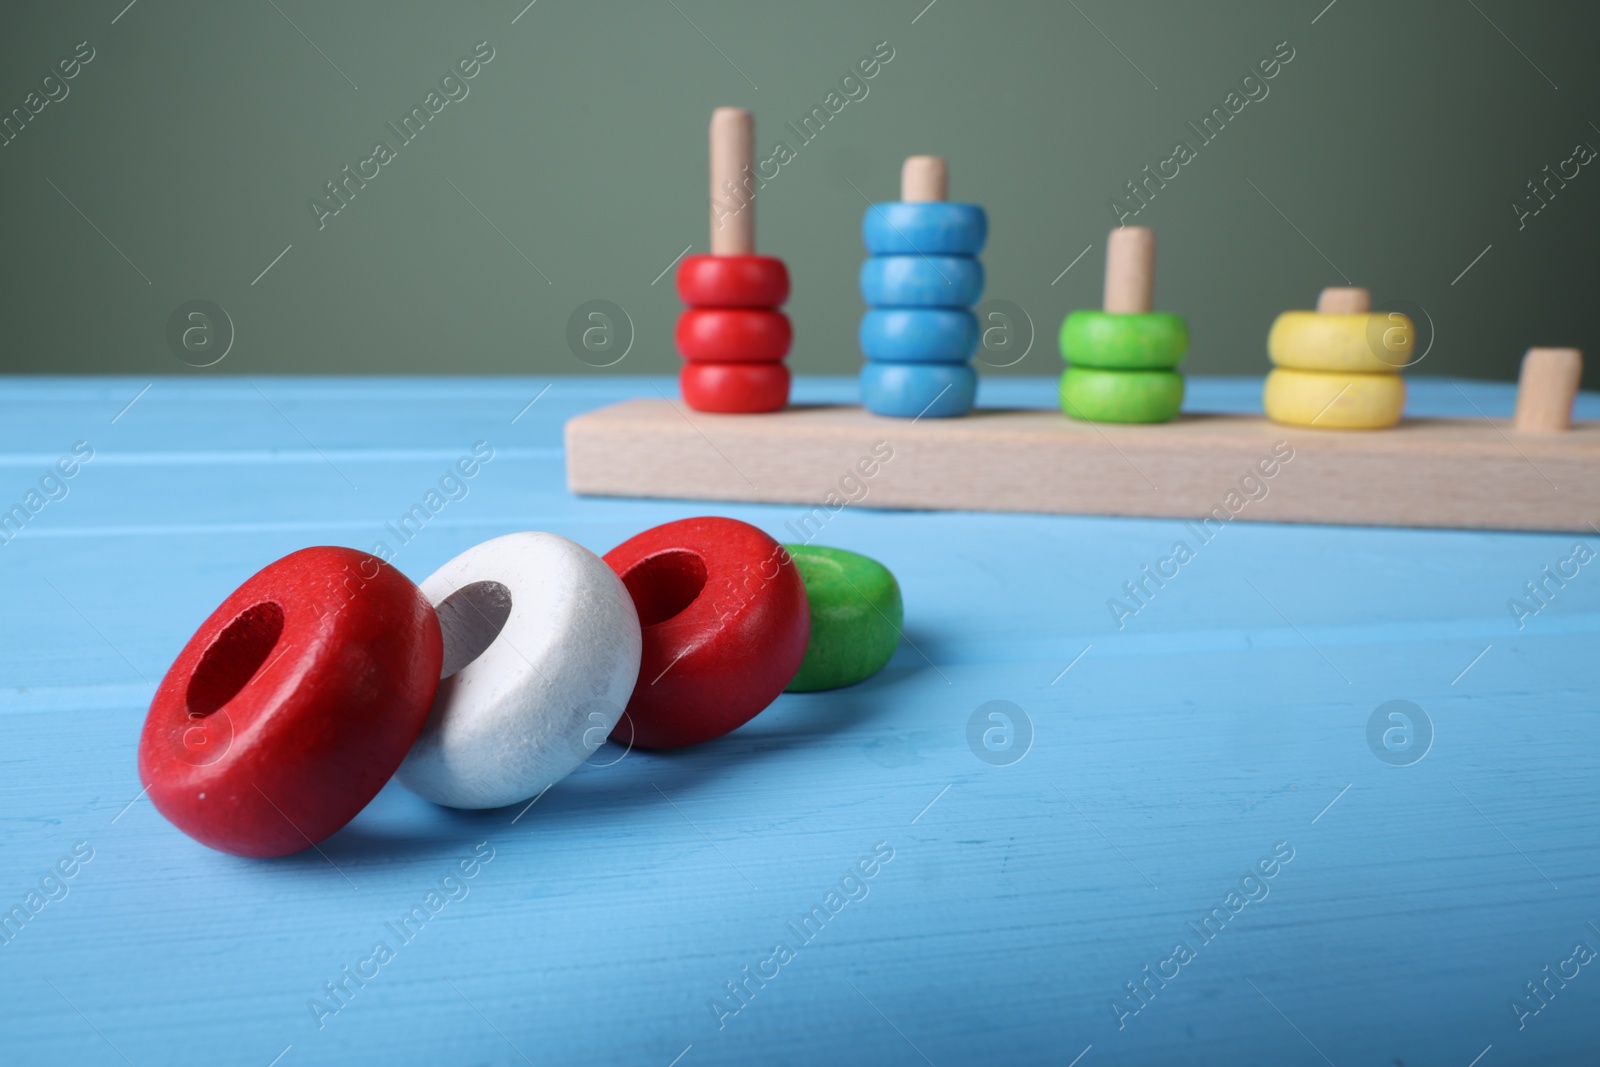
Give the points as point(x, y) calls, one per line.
point(233, 658)
point(664, 584)
point(469, 620)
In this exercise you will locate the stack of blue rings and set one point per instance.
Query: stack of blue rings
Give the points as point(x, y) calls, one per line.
point(920, 280)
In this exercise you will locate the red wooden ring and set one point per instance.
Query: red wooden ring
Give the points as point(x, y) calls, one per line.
point(725, 623)
point(733, 281)
point(293, 703)
point(737, 388)
point(733, 335)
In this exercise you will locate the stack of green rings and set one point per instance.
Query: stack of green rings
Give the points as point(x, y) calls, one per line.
point(856, 615)
point(1119, 367)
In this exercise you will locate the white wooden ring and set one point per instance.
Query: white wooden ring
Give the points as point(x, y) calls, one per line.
point(541, 652)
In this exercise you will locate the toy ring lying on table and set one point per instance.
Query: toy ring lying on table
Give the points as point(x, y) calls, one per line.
point(293, 703)
point(725, 621)
point(541, 649)
point(856, 613)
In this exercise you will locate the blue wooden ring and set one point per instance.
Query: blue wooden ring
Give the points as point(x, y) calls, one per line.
point(929, 228)
point(919, 335)
point(909, 390)
point(921, 281)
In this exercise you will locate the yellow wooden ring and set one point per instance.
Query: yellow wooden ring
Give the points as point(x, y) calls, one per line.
point(1334, 401)
point(1365, 344)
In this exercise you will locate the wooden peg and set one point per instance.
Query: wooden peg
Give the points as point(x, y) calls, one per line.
point(733, 208)
point(1130, 270)
point(924, 178)
point(1546, 389)
point(1345, 300)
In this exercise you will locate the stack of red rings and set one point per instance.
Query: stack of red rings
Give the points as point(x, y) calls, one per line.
point(732, 333)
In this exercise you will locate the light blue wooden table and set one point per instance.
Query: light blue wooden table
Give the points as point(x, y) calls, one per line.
point(1227, 720)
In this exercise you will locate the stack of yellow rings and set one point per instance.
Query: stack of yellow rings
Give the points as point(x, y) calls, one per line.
point(1338, 367)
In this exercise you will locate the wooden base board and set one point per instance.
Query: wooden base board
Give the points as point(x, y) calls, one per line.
point(1457, 473)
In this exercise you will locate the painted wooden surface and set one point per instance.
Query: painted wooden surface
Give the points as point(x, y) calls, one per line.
point(1462, 473)
point(1228, 715)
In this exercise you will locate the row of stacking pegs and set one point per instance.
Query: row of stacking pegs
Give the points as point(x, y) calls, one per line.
point(1336, 367)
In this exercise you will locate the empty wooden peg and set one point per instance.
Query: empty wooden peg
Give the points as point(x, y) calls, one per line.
point(1546, 389)
point(1344, 300)
point(733, 207)
point(924, 178)
point(1130, 270)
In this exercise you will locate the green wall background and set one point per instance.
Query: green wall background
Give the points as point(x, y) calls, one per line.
point(182, 160)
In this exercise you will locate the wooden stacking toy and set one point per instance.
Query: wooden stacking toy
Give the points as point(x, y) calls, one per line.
point(1338, 367)
point(1120, 359)
point(920, 280)
point(732, 334)
point(1334, 367)
point(328, 671)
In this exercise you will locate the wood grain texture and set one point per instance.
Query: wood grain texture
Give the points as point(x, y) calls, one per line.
point(1465, 473)
point(1168, 756)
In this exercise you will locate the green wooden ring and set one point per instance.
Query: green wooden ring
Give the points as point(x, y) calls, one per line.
point(1156, 341)
point(856, 616)
point(1121, 395)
